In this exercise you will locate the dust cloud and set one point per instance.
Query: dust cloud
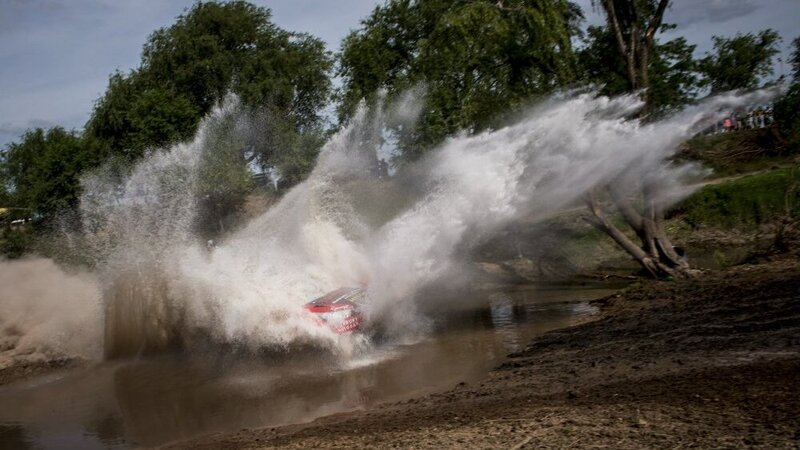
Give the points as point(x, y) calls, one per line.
point(47, 313)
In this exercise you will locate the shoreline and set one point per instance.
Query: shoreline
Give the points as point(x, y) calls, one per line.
point(709, 362)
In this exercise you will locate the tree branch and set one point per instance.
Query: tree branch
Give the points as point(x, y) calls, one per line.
point(631, 216)
point(601, 222)
point(612, 16)
point(655, 22)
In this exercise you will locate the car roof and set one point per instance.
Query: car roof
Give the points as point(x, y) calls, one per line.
point(339, 295)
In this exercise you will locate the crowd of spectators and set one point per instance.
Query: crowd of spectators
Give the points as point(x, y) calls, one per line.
point(760, 117)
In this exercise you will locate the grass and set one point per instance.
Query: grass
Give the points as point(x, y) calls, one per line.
point(744, 202)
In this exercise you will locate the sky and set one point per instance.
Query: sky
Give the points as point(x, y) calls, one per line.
point(56, 55)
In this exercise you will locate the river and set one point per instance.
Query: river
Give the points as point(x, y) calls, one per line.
point(154, 400)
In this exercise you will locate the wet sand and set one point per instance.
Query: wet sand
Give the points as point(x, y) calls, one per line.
point(707, 363)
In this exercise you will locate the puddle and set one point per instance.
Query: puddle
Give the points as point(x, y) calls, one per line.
point(153, 401)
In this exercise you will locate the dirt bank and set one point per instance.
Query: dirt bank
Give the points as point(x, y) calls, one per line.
point(23, 370)
point(711, 363)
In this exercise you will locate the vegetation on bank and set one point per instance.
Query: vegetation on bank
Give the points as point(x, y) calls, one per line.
point(741, 152)
point(746, 202)
point(478, 61)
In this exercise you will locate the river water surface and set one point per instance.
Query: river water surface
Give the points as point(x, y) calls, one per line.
point(155, 400)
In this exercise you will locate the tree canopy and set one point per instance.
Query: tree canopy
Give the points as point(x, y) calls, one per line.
point(740, 62)
point(187, 68)
point(633, 25)
point(787, 109)
point(674, 79)
point(44, 168)
point(477, 59)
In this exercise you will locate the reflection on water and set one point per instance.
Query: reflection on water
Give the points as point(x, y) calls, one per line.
point(161, 399)
point(13, 437)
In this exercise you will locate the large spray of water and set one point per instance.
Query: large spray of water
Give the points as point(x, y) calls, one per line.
point(161, 284)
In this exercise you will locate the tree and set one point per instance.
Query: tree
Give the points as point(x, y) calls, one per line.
point(189, 67)
point(479, 60)
point(634, 24)
point(132, 117)
point(787, 109)
point(673, 75)
point(43, 170)
point(740, 62)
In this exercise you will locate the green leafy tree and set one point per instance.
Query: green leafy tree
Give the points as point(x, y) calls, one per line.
point(212, 49)
point(5, 184)
point(673, 75)
point(740, 62)
point(787, 109)
point(224, 179)
point(479, 60)
point(188, 67)
point(634, 24)
point(43, 169)
point(132, 117)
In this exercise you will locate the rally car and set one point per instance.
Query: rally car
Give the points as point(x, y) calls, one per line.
point(339, 310)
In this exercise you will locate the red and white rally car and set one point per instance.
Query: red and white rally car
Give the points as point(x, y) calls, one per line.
point(339, 310)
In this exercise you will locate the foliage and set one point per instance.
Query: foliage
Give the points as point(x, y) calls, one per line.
point(233, 141)
point(14, 243)
point(633, 25)
point(298, 157)
point(187, 68)
point(132, 117)
point(737, 153)
point(794, 59)
point(787, 110)
point(223, 179)
point(5, 184)
point(747, 201)
point(212, 49)
point(44, 169)
point(479, 60)
point(674, 80)
point(740, 62)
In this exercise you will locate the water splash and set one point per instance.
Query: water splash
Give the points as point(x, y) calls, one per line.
point(343, 226)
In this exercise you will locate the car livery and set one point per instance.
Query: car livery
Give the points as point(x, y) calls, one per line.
point(339, 310)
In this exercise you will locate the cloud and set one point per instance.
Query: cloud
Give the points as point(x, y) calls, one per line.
point(689, 12)
point(18, 129)
point(331, 21)
point(56, 55)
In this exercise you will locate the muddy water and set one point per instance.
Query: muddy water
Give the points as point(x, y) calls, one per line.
point(152, 401)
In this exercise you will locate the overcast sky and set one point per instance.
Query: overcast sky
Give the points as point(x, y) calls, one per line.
point(56, 55)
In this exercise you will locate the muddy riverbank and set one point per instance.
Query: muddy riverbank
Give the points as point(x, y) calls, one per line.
point(151, 400)
point(710, 362)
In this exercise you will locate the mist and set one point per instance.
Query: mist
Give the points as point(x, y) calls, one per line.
point(47, 313)
point(162, 286)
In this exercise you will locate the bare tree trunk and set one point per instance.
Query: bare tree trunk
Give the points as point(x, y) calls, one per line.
point(656, 253)
point(635, 38)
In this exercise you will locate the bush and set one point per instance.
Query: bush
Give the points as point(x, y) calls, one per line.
point(787, 116)
point(748, 201)
point(14, 243)
point(740, 152)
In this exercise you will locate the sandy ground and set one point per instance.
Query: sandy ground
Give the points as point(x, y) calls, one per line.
point(706, 363)
point(21, 370)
